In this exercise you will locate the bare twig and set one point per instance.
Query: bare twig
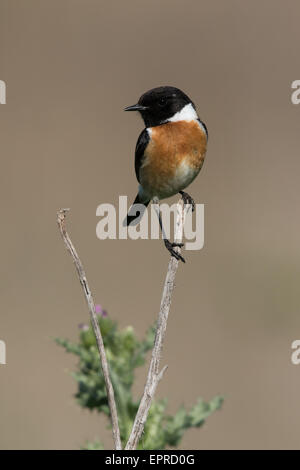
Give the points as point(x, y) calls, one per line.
point(154, 376)
point(61, 216)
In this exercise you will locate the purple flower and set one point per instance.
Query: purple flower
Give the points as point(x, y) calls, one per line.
point(99, 310)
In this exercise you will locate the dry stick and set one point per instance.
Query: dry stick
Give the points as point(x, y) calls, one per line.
point(61, 216)
point(154, 376)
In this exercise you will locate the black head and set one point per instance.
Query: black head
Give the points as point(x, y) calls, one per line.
point(160, 104)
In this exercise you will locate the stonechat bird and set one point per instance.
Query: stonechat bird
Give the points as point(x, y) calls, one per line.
point(170, 151)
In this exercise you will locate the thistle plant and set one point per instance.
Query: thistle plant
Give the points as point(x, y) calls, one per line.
point(124, 354)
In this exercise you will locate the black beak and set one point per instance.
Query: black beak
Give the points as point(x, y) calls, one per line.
point(135, 107)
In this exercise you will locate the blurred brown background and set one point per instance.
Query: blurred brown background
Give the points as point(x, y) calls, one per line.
point(71, 66)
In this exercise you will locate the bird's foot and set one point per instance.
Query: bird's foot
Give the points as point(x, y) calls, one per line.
point(170, 247)
point(187, 199)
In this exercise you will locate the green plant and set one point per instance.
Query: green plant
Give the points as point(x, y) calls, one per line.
point(125, 353)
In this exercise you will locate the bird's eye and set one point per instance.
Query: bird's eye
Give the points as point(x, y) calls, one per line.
point(162, 101)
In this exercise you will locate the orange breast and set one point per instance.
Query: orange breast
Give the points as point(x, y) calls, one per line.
point(171, 145)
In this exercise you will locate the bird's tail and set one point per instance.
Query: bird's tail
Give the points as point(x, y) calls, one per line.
point(136, 211)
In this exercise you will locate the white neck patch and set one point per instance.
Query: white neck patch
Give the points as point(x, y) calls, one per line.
point(187, 113)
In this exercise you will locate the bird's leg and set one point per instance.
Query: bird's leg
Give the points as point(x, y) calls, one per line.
point(187, 199)
point(169, 245)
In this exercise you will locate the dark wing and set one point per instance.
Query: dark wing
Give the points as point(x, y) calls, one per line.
point(205, 128)
point(140, 148)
